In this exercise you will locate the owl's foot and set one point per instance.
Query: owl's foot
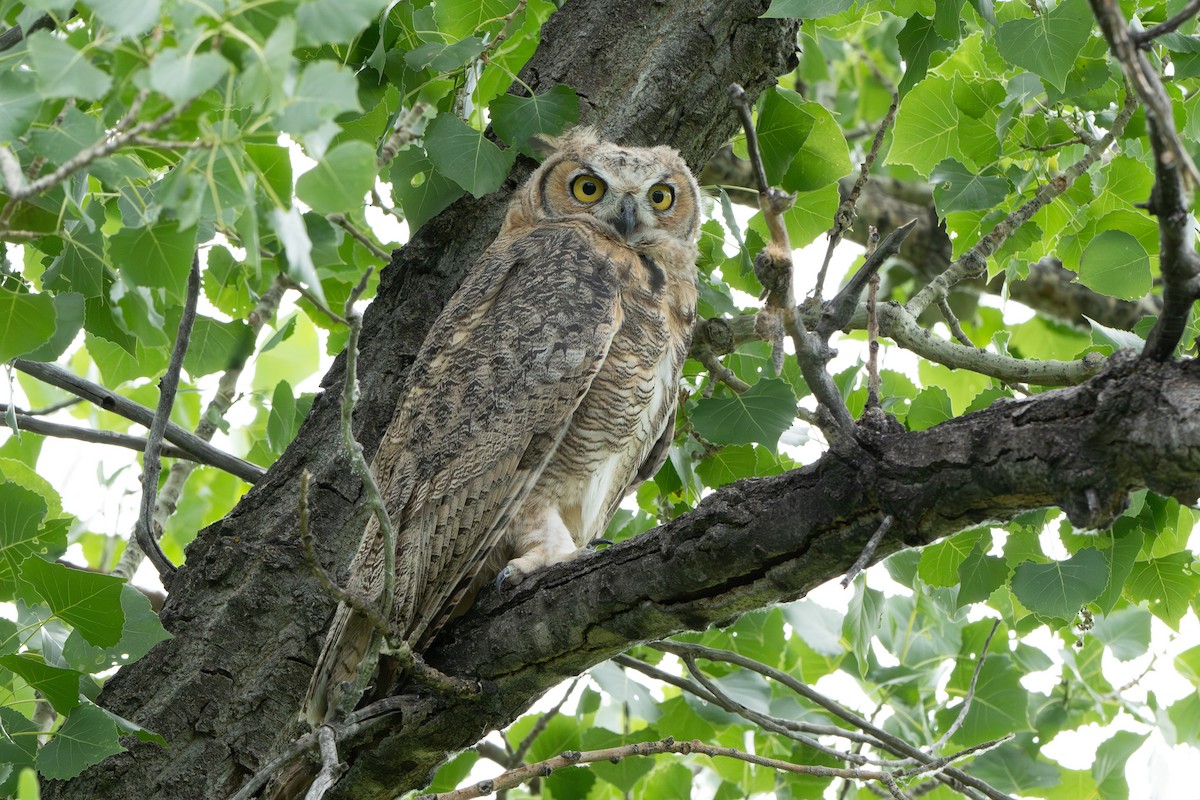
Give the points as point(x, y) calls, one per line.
point(519, 568)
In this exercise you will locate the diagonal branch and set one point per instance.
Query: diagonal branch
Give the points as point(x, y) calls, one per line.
point(1175, 177)
point(152, 461)
point(96, 394)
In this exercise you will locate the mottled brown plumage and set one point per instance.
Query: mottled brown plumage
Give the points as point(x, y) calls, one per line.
point(543, 392)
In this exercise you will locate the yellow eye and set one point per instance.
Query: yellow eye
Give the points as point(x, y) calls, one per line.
point(661, 196)
point(587, 188)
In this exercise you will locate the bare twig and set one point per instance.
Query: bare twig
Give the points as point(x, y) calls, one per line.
point(151, 462)
point(773, 267)
point(352, 229)
point(970, 695)
point(974, 262)
point(873, 406)
point(20, 190)
point(356, 724)
point(952, 322)
point(404, 132)
point(868, 552)
point(1175, 178)
point(518, 755)
point(515, 777)
point(960, 781)
point(1144, 38)
point(218, 406)
point(60, 431)
point(844, 217)
point(198, 449)
point(326, 580)
point(331, 769)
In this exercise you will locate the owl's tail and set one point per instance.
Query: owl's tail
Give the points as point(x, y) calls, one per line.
point(337, 667)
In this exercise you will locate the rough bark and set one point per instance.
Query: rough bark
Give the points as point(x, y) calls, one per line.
point(246, 613)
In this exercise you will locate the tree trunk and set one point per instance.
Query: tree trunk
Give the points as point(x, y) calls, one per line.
point(247, 615)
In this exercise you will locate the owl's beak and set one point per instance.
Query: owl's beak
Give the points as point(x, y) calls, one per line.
point(627, 221)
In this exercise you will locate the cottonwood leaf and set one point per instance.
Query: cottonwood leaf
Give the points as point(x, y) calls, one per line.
point(63, 71)
point(157, 255)
point(60, 686)
point(27, 321)
point(927, 124)
point(340, 180)
point(421, 190)
point(335, 21)
point(445, 56)
point(127, 17)
point(956, 188)
point(1048, 43)
point(182, 74)
point(1059, 589)
point(979, 575)
point(90, 602)
point(760, 414)
point(1166, 584)
point(518, 119)
point(1116, 264)
point(464, 155)
point(87, 737)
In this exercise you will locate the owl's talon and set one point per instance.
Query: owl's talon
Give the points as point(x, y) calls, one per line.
point(594, 543)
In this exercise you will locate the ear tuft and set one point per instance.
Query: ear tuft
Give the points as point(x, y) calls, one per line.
point(576, 138)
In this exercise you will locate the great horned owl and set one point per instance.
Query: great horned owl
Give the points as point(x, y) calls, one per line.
point(543, 392)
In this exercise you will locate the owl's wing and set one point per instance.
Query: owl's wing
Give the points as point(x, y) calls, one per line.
point(489, 398)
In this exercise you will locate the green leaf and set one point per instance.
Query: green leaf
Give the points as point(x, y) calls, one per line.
point(979, 575)
point(26, 322)
point(1126, 632)
point(18, 744)
point(293, 235)
point(462, 17)
point(760, 414)
point(341, 180)
point(1059, 589)
point(862, 619)
point(21, 512)
point(927, 124)
point(917, 42)
point(420, 189)
point(68, 320)
point(323, 91)
point(155, 256)
point(281, 420)
point(783, 127)
point(181, 73)
point(140, 631)
point(462, 154)
point(88, 601)
point(1000, 702)
point(87, 737)
point(63, 71)
point(217, 346)
point(1166, 584)
point(930, 407)
point(73, 134)
point(1116, 264)
point(127, 17)
point(1109, 767)
point(335, 21)
point(19, 103)
point(445, 56)
point(806, 9)
point(940, 562)
point(1048, 43)
point(824, 157)
point(60, 686)
point(1010, 768)
point(518, 119)
point(959, 189)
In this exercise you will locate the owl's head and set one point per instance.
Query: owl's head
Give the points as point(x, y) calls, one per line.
point(639, 192)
